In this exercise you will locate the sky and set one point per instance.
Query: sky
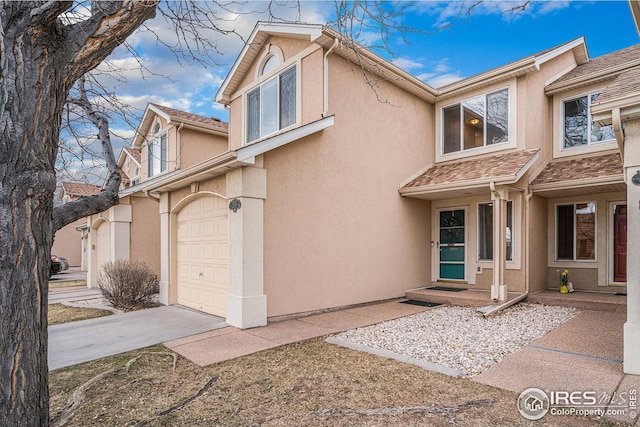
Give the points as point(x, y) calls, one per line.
point(487, 38)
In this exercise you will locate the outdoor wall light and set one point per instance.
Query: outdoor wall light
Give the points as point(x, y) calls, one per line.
point(636, 178)
point(234, 205)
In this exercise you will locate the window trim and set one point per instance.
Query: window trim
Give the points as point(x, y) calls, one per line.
point(575, 230)
point(511, 87)
point(258, 86)
point(589, 145)
point(161, 140)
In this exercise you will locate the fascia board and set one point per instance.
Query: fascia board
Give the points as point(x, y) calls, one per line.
point(460, 185)
point(300, 30)
point(249, 152)
point(605, 74)
point(577, 43)
point(209, 166)
point(577, 183)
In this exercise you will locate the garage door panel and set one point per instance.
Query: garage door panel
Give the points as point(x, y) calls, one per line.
point(203, 257)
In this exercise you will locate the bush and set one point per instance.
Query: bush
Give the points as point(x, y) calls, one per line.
point(128, 284)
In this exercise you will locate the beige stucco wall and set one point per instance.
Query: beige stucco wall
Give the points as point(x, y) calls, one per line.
point(586, 275)
point(67, 243)
point(195, 146)
point(537, 250)
point(145, 231)
point(336, 230)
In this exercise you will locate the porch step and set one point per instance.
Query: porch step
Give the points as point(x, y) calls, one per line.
point(581, 300)
point(465, 298)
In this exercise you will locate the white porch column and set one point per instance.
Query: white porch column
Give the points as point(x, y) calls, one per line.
point(165, 254)
point(120, 222)
point(499, 198)
point(246, 302)
point(632, 326)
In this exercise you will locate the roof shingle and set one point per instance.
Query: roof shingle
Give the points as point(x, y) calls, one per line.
point(209, 121)
point(629, 55)
point(501, 165)
point(80, 189)
point(608, 165)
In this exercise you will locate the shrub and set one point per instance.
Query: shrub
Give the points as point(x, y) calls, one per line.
point(128, 284)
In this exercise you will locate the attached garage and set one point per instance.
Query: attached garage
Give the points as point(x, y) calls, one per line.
point(202, 249)
point(103, 245)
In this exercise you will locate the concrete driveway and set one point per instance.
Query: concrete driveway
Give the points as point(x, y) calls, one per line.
point(85, 340)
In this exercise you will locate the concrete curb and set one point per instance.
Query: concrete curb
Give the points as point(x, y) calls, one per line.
point(400, 358)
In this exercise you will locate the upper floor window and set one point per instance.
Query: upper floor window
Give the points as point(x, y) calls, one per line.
point(579, 129)
point(157, 155)
point(476, 122)
point(272, 62)
point(272, 105)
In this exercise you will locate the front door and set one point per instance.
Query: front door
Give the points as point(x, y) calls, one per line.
point(452, 244)
point(620, 244)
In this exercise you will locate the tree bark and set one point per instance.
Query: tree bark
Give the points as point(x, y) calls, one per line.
point(40, 59)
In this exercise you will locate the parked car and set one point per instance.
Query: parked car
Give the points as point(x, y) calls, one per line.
point(54, 267)
point(64, 264)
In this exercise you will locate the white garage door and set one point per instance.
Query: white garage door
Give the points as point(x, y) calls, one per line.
point(203, 255)
point(103, 245)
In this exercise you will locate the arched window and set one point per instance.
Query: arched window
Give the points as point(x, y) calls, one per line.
point(271, 63)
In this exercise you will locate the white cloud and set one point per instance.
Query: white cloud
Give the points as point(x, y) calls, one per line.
point(407, 64)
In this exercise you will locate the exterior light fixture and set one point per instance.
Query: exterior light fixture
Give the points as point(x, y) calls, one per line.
point(636, 178)
point(474, 121)
point(234, 205)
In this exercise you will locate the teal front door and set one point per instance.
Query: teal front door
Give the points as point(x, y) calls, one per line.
point(452, 244)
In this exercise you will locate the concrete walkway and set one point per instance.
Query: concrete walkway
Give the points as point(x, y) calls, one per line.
point(86, 340)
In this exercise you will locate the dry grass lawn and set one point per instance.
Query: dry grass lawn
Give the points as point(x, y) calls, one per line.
point(59, 313)
point(311, 383)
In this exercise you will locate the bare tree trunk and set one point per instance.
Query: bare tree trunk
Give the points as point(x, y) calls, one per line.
point(40, 59)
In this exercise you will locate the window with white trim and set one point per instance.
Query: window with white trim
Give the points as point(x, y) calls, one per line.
point(157, 153)
point(476, 122)
point(576, 232)
point(272, 105)
point(578, 127)
point(485, 232)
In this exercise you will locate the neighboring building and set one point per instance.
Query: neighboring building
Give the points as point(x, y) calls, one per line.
point(69, 241)
point(167, 141)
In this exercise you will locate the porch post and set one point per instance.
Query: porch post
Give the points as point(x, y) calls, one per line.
point(246, 301)
point(499, 198)
point(632, 326)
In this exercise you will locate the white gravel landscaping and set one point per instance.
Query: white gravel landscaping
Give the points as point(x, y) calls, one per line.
point(459, 338)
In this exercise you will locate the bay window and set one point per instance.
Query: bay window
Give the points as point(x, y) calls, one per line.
point(476, 122)
point(272, 105)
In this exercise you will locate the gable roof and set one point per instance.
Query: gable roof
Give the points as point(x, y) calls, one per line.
point(171, 115)
point(441, 180)
point(597, 69)
point(576, 175)
point(517, 68)
point(134, 153)
point(324, 36)
point(80, 189)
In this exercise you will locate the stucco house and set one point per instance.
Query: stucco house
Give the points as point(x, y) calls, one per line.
point(167, 141)
point(69, 241)
point(328, 190)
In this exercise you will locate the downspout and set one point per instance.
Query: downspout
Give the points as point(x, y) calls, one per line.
point(617, 129)
point(150, 195)
point(326, 77)
point(488, 311)
point(179, 146)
